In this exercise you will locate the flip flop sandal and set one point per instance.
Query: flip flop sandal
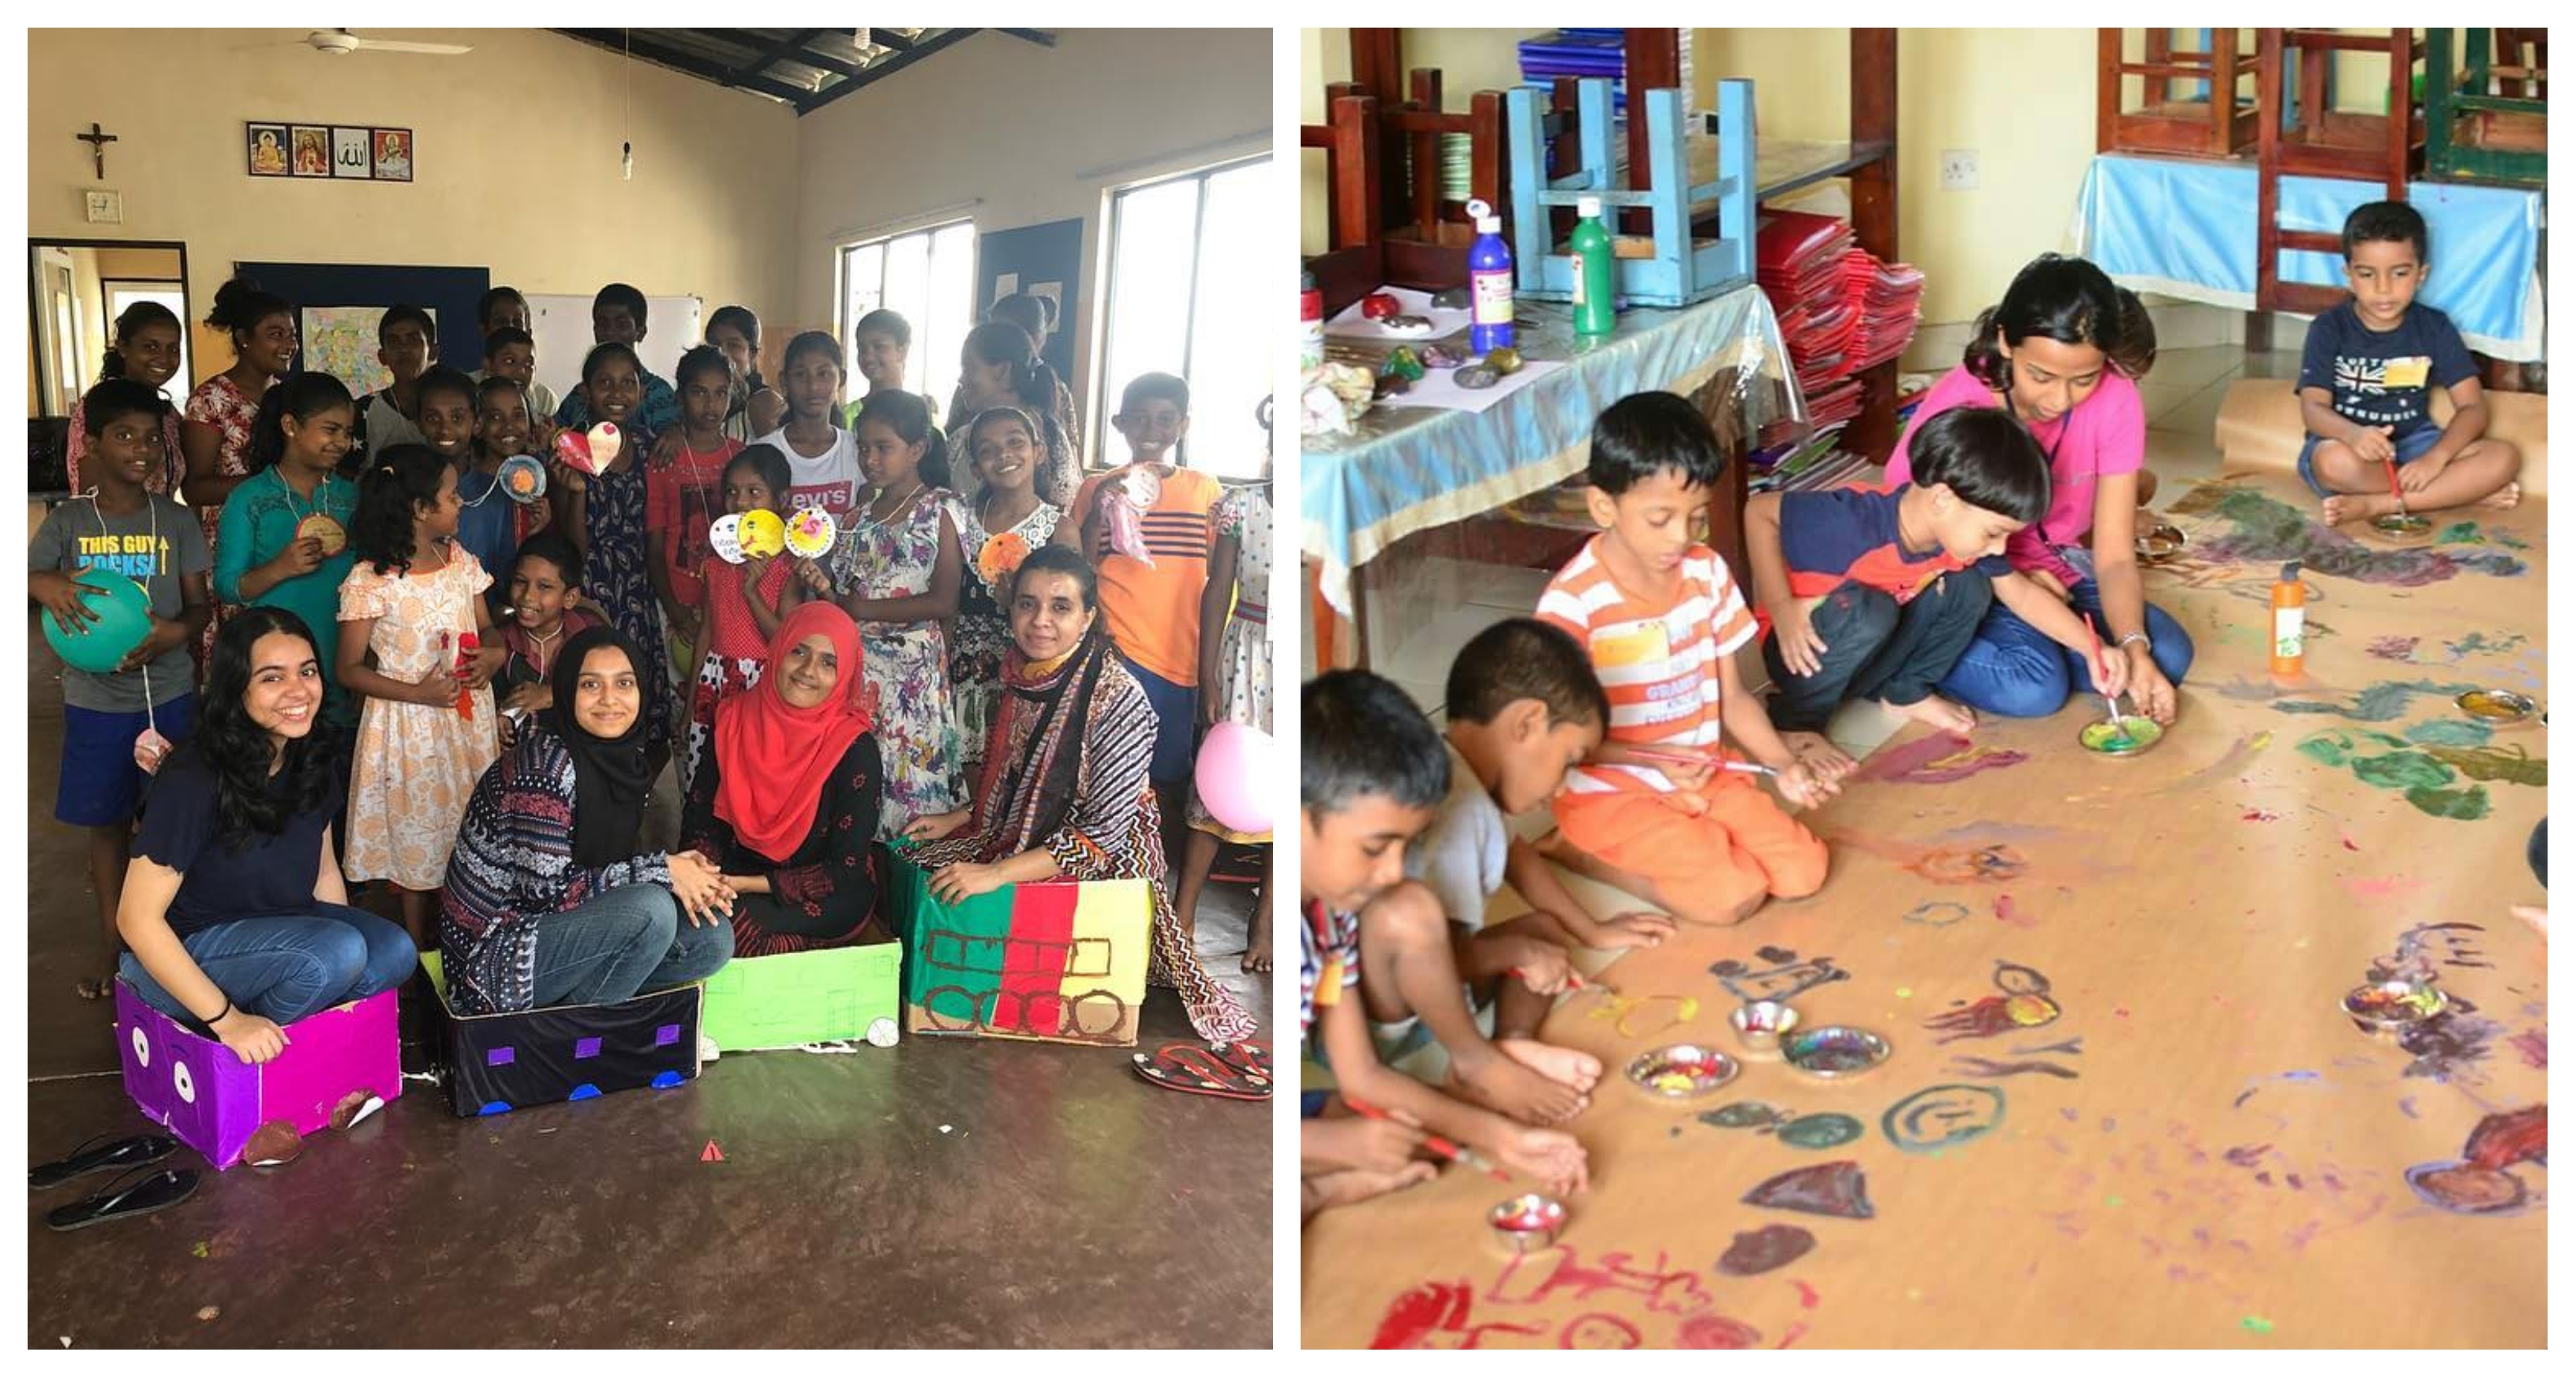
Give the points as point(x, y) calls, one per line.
point(141, 1150)
point(1249, 1056)
point(1199, 1071)
point(153, 1189)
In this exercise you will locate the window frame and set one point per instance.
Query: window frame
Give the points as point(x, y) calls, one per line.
point(1098, 445)
point(883, 240)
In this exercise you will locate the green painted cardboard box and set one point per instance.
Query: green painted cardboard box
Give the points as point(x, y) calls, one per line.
point(806, 997)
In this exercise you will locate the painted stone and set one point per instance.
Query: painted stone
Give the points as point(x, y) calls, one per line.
point(1760, 1251)
point(1378, 306)
point(1404, 363)
point(1393, 385)
point(1820, 1131)
point(1440, 356)
point(1476, 377)
point(1453, 299)
point(1505, 360)
point(1836, 1189)
point(1407, 325)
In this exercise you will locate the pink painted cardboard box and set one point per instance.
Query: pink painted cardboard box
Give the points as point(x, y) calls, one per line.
point(213, 1101)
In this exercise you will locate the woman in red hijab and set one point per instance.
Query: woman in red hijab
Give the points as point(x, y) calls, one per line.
point(784, 794)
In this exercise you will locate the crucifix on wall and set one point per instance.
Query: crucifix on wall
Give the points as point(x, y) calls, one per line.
point(98, 140)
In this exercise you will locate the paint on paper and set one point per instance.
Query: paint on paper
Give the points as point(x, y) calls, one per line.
point(1937, 759)
point(2267, 530)
point(1940, 1117)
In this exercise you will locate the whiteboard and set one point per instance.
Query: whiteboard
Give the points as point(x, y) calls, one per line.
point(561, 325)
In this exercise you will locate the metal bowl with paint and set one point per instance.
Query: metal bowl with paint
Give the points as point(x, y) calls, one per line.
point(1682, 1071)
point(2496, 707)
point(2394, 1004)
point(1835, 1050)
point(1526, 1224)
point(1761, 1024)
point(2161, 542)
point(2402, 526)
point(2106, 739)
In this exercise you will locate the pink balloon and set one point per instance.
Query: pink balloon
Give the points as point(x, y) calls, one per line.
point(1234, 777)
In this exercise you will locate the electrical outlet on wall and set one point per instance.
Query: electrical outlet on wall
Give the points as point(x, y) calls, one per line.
point(1958, 169)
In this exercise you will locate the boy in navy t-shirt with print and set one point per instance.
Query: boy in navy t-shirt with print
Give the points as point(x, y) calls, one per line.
point(2366, 381)
point(121, 530)
point(1876, 594)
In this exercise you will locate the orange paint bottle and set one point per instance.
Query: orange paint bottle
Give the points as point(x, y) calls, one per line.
point(2289, 624)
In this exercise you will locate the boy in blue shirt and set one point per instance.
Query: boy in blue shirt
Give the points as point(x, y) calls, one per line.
point(1876, 594)
point(119, 726)
point(2366, 381)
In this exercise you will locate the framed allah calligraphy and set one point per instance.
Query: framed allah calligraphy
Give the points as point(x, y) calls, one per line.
point(348, 153)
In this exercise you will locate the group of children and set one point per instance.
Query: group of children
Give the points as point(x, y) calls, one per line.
point(439, 598)
point(1620, 702)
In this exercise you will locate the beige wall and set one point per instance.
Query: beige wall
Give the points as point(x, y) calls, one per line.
point(1053, 129)
point(516, 152)
point(2022, 98)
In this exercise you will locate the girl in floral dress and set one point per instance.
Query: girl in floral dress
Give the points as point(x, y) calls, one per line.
point(222, 414)
point(1006, 454)
point(1234, 686)
point(896, 572)
point(428, 728)
point(604, 515)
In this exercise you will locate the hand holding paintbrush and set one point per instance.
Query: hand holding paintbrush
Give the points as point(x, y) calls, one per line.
point(2110, 702)
point(1455, 1153)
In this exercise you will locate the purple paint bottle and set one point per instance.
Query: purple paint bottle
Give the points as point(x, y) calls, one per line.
point(1489, 282)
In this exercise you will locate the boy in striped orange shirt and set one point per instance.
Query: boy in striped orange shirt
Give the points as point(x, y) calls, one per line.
point(1661, 809)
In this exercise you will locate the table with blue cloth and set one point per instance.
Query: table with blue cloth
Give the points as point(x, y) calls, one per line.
point(2188, 229)
point(1408, 469)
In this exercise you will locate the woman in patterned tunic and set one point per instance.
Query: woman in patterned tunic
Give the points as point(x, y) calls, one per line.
point(549, 900)
point(604, 515)
point(1064, 792)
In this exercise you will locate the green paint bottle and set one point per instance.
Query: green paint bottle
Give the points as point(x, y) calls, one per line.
point(1596, 272)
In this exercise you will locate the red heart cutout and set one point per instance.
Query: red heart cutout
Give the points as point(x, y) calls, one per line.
point(574, 449)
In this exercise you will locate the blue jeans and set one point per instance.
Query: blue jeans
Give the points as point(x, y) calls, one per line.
point(621, 941)
point(286, 966)
point(2410, 447)
point(2013, 670)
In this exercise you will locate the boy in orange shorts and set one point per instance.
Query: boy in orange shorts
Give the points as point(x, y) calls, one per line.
point(1656, 810)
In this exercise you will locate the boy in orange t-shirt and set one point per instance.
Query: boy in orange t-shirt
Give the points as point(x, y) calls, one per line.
point(1153, 610)
point(1654, 809)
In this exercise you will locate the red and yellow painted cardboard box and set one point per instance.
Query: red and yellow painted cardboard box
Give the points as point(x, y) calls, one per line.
point(1056, 961)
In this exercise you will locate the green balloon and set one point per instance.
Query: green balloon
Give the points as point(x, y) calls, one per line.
point(124, 614)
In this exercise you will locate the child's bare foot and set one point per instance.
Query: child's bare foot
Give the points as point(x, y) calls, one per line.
point(1256, 944)
point(1352, 1185)
point(1577, 1069)
point(1936, 711)
point(2355, 507)
point(1508, 1087)
point(99, 988)
point(2509, 495)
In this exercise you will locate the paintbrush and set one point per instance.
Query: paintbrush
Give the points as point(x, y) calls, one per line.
point(1455, 1153)
point(2394, 489)
point(2119, 721)
point(1694, 758)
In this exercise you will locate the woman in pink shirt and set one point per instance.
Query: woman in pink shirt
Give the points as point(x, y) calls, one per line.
point(2062, 352)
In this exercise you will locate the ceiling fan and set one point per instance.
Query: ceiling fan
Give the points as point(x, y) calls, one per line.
point(337, 41)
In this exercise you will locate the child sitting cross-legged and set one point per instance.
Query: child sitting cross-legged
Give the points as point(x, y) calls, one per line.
point(1876, 593)
point(1372, 774)
point(2366, 378)
point(1660, 811)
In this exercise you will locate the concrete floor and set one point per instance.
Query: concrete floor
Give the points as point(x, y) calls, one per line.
point(942, 1192)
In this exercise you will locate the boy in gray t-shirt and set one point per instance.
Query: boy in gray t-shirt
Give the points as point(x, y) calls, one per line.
point(1524, 706)
point(120, 724)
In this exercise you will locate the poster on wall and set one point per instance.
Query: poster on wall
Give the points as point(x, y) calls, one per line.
point(341, 341)
point(312, 150)
point(349, 153)
point(267, 146)
point(393, 155)
point(351, 156)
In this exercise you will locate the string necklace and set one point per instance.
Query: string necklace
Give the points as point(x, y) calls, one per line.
point(870, 516)
point(151, 721)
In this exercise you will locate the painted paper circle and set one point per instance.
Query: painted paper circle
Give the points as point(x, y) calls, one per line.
point(762, 534)
point(183, 1083)
point(523, 478)
point(325, 528)
point(810, 532)
point(142, 1048)
point(725, 537)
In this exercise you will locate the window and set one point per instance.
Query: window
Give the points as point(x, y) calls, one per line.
point(1185, 268)
point(928, 276)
